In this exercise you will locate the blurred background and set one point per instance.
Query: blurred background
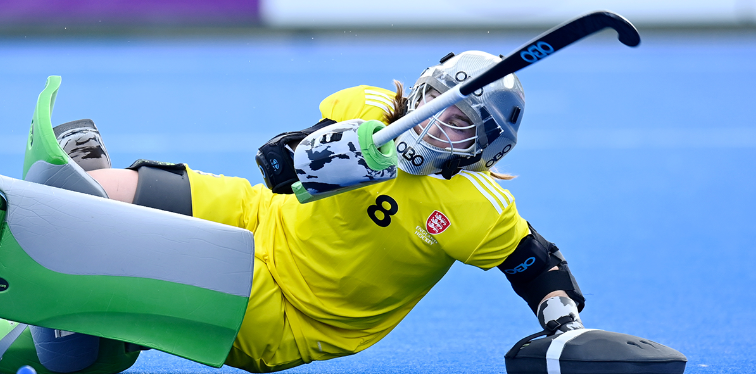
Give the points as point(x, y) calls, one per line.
point(638, 163)
point(96, 17)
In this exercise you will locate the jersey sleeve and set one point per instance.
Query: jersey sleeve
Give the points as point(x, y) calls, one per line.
point(501, 240)
point(492, 227)
point(227, 200)
point(364, 102)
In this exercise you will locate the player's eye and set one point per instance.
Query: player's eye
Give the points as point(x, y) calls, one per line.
point(458, 126)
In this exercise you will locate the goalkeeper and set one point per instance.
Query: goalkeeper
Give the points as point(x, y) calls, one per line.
point(334, 276)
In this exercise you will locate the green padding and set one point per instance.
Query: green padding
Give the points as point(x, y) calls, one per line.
point(305, 197)
point(376, 158)
point(187, 321)
point(111, 359)
point(153, 313)
point(41, 134)
point(301, 193)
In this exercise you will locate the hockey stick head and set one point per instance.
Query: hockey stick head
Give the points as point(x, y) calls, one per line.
point(626, 32)
point(552, 41)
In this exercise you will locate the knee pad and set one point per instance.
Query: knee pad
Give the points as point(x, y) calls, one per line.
point(163, 186)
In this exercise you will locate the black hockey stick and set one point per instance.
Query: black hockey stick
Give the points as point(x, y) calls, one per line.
point(535, 50)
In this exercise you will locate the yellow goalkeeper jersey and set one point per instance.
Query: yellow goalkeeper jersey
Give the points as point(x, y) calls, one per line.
point(350, 267)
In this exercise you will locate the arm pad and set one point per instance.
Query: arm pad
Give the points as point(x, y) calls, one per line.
point(527, 269)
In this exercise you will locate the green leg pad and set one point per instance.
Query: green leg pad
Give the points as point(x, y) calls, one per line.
point(45, 162)
point(149, 312)
point(113, 270)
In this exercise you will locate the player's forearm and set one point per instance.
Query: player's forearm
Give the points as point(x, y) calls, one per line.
point(558, 293)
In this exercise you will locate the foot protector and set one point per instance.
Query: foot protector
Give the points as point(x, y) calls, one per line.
point(45, 161)
point(82, 142)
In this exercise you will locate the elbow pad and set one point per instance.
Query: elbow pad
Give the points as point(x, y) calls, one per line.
point(527, 269)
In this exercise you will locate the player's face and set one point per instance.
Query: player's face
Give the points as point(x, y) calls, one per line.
point(450, 129)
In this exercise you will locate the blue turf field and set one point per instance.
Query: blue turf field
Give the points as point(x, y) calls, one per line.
point(639, 163)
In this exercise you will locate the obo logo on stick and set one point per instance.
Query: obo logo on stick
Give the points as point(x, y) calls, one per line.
point(536, 52)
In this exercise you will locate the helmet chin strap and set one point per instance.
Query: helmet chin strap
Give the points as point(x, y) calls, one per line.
point(455, 164)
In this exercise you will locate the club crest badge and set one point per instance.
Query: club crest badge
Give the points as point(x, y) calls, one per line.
point(437, 223)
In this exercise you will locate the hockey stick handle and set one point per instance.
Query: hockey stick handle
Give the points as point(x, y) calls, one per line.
point(418, 115)
point(535, 50)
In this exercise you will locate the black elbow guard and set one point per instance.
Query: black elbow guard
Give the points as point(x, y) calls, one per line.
point(527, 269)
point(275, 160)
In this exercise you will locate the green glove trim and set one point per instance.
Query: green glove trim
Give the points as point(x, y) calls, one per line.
point(376, 158)
point(301, 193)
point(305, 197)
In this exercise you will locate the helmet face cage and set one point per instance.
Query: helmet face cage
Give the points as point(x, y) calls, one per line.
point(495, 111)
point(454, 146)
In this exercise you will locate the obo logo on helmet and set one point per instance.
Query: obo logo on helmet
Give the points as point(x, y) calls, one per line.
point(409, 154)
point(498, 156)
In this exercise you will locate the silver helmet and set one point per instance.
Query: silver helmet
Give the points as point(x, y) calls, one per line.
point(495, 112)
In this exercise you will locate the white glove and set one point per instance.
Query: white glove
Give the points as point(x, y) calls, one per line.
point(341, 157)
point(559, 314)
